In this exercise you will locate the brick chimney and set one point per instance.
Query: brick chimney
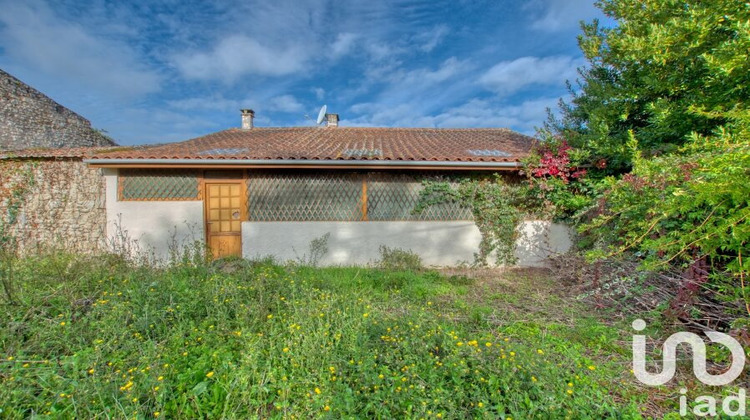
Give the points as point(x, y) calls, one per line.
point(247, 118)
point(332, 120)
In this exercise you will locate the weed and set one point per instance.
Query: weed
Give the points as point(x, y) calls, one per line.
point(100, 337)
point(399, 259)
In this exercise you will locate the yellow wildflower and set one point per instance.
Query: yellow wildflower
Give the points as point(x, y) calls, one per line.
point(209, 374)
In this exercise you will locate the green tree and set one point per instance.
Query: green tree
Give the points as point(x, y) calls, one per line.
point(668, 69)
point(661, 116)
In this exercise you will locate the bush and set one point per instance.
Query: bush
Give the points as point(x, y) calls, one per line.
point(399, 259)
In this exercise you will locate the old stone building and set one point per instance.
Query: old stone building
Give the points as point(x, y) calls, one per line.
point(30, 119)
point(50, 199)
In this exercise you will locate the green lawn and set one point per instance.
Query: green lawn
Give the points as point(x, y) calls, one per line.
point(94, 337)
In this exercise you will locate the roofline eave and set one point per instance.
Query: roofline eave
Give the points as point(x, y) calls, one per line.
point(301, 163)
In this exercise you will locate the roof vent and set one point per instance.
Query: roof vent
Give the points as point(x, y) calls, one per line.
point(332, 120)
point(247, 118)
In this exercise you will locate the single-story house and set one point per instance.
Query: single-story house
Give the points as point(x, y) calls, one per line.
point(256, 191)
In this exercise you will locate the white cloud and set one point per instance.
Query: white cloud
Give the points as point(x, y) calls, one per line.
point(213, 102)
point(560, 15)
point(523, 117)
point(237, 56)
point(262, 104)
point(510, 76)
point(284, 103)
point(343, 44)
point(431, 39)
point(31, 34)
point(320, 93)
point(416, 92)
point(421, 78)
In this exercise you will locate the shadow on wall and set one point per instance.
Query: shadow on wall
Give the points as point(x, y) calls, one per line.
point(163, 242)
point(358, 243)
point(539, 240)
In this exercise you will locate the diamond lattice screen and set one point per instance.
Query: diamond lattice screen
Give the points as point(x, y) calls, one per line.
point(337, 196)
point(300, 196)
point(393, 197)
point(158, 184)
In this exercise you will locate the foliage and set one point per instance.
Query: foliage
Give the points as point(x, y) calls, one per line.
point(399, 259)
point(317, 249)
point(18, 180)
point(496, 204)
point(679, 208)
point(666, 70)
point(266, 341)
point(661, 116)
point(556, 178)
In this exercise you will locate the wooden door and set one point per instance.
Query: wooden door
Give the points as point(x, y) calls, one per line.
point(224, 215)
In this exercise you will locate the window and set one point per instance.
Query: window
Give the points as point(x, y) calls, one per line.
point(342, 196)
point(394, 196)
point(300, 196)
point(158, 184)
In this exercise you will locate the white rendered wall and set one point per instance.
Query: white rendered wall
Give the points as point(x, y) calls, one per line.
point(538, 240)
point(358, 243)
point(155, 227)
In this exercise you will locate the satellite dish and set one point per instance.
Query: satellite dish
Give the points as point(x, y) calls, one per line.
point(322, 114)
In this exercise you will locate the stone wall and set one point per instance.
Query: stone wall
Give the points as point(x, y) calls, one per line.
point(52, 203)
point(29, 119)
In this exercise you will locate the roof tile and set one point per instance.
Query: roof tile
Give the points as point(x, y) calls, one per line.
point(342, 143)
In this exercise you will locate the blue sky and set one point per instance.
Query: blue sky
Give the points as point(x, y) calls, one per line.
point(163, 71)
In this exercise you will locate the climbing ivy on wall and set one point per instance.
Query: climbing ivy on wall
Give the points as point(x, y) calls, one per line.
point(497, 204)
point(18, 181)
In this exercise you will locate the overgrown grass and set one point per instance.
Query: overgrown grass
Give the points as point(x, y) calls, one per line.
point(96, 337)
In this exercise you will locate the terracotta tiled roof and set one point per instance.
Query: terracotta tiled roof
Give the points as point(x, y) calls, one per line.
point(53, 153)
point(343, 143)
